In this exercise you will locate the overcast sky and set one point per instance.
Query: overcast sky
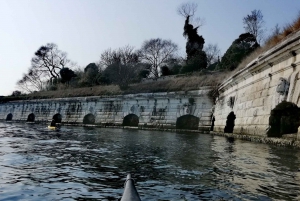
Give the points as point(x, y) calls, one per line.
point(84, 28)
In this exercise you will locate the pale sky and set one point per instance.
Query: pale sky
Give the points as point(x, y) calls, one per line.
point(85, 28)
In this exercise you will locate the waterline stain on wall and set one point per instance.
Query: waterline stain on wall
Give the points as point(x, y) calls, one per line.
point(149, 110)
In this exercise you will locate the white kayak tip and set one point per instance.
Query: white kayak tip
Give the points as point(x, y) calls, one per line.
point(130, 192)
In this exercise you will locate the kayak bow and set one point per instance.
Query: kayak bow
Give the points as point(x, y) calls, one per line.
point(130, 192)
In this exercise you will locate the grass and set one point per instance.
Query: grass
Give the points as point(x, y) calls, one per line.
point(179, 83)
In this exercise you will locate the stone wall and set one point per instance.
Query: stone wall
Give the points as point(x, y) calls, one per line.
point(251, 94)
point(186, 110)
point(243, 106)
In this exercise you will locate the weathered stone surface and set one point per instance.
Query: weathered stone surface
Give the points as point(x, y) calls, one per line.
point(259, 88)
point(157, 110)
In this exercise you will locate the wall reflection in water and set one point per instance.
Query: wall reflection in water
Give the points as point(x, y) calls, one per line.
point(267, 171)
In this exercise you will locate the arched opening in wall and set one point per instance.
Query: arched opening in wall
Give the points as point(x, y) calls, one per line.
point(230, 123)
point(9, 117)
point(57, 117)
point(131, 120)
point(284, 119)
point(31, 117)
point(89, 119)
point(188, 122)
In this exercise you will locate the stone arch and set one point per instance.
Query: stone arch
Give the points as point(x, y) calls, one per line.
point(9, 117)
point(31, 117)
point(188, 122)
point(57, 117)
point(131, 120)
point(230, 123)
point(89, 119)
point(284, 119)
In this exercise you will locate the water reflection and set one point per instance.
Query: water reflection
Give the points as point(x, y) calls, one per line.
point(91, 164)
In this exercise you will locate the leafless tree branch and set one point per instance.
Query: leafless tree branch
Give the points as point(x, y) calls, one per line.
point(157, 52)
point(254, 24)
point(187, 9)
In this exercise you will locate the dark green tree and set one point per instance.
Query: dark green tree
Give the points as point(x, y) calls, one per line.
point(16, 93)
point(239, 49)
point(66, 75)
point(121, 74)
point(197, 63)
point(144, 73)
point(91, 75)
point(165, 71)
point(196, 57)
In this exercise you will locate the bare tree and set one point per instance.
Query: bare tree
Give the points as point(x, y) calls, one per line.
point(188, 10)
point(254, 24)
point(32, 81)
point(157, 52)
point(121, 65)
point(276, 30)
point(50, 60)
point(108, 57)
point(212, 53)
point(46, 64)
point(124, 55)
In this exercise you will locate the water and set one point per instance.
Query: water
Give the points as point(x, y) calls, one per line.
point(91, 164)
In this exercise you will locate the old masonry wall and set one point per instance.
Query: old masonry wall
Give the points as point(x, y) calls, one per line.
point(243, 106)
point(246, 99)
point(181, 110)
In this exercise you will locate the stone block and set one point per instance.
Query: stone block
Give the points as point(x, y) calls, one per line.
point(265, 93)
point(258, 102)
point(249, 112)
point(249, 97)
point(248, 104)
point(257, 94)
point(145, 113)
point(204, 123)
point(172, 113)
point(171, 122)
point(205, 118)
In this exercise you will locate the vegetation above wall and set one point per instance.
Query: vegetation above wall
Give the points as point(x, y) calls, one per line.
point(278, 36)
point(122, 71)
point(179, 83)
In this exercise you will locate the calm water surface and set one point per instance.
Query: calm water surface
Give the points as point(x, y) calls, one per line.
point(91, 164)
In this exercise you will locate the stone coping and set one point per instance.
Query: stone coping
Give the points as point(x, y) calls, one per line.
point(200, 92)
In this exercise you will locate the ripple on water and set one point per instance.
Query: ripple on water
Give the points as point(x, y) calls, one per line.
point(83, 164)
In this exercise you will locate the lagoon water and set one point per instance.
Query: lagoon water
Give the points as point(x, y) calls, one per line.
point(92, 163)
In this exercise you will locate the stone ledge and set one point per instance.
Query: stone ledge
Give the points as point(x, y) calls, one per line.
point(265, 140)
